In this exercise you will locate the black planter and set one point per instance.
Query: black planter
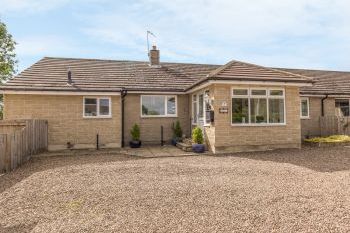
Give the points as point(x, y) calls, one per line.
point(198, 148)
point(135, 144)
point(173, 142)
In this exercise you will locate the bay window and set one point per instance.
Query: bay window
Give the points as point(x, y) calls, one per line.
point(158, 106)
point(95, 107)
point(254, 106)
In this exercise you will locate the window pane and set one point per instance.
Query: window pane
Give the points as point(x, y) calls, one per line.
point(104, 107)
point(342, 107)
point(258, 111)
point(153, 105)
point(240, 110)
point(91, 101)
point(276, 111)
point(304, 108)
point(194, 112)
point(200, 106)
point(276, 92)
point(240, 92)
point(90, 107)
point(258, 92)
point(171, 105)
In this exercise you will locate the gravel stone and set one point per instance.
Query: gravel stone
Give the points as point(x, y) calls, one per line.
point(275, 191)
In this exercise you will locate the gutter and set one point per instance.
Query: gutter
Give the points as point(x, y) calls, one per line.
point(123, 93)
point(322, 104)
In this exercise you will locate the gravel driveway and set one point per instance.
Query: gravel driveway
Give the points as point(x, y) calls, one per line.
point(281, 191)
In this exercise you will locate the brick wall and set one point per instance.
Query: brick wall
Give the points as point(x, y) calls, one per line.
point(230, 138)
point(150, 127)
point(65, 119)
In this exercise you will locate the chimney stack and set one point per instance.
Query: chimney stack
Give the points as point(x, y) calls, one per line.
point(154, 57)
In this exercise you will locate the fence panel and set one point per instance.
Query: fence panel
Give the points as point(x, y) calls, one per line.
point(20, 140)
point(331, 125)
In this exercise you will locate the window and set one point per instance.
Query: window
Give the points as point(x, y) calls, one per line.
point(342, 107)
point(258, 106)
point(200, 106)
point(194, 109)
point(97, 107)
point(158, 106)
point(304, 107)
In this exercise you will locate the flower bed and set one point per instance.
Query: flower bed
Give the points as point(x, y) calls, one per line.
point(333, 140)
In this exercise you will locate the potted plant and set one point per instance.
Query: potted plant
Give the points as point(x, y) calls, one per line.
point(135, 135)
point(177, 133)
point(197, 139)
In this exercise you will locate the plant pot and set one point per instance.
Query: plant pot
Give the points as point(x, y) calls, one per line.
point(135, 144)
point(198, 148)
point(174, 141)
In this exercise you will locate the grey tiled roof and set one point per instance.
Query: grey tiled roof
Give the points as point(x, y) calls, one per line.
point(325, 82)
point(107, 75)
point(50, 74)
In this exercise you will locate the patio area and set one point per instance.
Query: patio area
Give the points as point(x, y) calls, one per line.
point(148, 151)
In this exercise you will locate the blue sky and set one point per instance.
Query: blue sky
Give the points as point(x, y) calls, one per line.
point(285, 33)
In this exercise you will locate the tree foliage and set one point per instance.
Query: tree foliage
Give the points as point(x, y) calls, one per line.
point(8, 60)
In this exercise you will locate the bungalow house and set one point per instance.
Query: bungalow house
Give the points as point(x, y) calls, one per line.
point(240, 106)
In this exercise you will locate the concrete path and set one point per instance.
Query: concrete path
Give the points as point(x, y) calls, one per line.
point(147, 151)
point(157, 151)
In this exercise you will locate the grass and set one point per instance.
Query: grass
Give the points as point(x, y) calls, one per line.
point(330, 139)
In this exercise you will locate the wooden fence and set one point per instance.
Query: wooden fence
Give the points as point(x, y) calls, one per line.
point(331, 125)
point(19, 140)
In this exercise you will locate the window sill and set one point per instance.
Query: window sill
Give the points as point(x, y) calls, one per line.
point(305, 118)
point(97, 117)
point(254, 125)
point(170, 116)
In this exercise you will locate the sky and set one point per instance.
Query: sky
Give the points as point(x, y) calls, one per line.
point(312, 34)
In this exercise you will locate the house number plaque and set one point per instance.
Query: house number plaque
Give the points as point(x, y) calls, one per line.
point(223, 110)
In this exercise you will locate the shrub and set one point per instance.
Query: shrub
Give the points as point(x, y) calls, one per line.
point(177, 130)
point(197, 135)
point(135, 133)
point(330, 139)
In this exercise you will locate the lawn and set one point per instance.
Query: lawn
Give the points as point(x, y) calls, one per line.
point(277, 191)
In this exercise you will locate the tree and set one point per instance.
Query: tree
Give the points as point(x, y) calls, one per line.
point(8, 60)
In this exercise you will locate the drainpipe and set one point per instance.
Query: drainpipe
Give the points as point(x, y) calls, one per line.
point(322, 104)
point(123, 94)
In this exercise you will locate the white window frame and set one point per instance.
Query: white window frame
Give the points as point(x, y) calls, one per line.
point(165, 107)
point(308, 108)
point(342, 99)
point(98, 106)
point(196, 103)
point(267, 96)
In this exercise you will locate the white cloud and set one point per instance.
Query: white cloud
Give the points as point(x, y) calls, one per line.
point(43, 45)
point(30, 6)
point(266, 31)
point(302, 33)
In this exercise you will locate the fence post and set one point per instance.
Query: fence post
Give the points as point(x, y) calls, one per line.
point(7, 157)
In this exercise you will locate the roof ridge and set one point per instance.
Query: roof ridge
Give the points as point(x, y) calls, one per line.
point(339, 71)
point(273, 69)
point(219, 69)
point(115, 60)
